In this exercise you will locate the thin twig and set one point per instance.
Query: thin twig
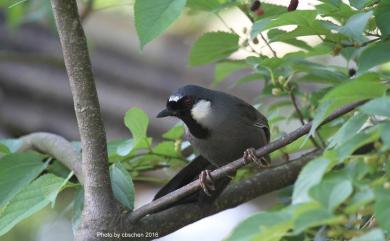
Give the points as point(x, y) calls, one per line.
point(194, 186)
point(268, 44)
point(300, 115)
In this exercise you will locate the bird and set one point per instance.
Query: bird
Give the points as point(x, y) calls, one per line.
point(220, 127)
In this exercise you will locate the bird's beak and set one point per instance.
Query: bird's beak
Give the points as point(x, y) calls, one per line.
point(165, 113)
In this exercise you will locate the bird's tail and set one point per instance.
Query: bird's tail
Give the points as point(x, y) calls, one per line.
point(184, 176)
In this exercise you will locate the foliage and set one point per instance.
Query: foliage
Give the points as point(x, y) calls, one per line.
point(337, 195)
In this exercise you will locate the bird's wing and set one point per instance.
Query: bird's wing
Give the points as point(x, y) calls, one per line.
point(253, 117)
point(184, 176)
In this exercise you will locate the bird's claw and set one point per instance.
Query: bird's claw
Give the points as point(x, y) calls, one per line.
point(206, 182)
point(250, 156)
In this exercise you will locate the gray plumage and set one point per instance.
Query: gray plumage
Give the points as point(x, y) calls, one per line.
point(221, 127)
point(234, 126)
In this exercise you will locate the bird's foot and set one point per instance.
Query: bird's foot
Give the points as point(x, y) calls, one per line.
point(206, 182)
point(250, 156)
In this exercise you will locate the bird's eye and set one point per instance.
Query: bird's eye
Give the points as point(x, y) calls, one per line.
point(188, 101)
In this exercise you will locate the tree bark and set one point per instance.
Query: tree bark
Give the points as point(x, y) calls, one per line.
point(99, 204)
point(57, 147)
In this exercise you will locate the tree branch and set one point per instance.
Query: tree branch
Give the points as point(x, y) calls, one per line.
point(57, 147)
point(99, 204)
point(180, 193)
point(268, 45)
point(264, 182)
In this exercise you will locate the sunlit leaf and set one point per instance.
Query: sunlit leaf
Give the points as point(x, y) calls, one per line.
point(382, 211)
point(16, 172)
point(122, 185)
point(213, 46)
point(382, 16)
point(378, 106)
point(270, 226)
point(153, 17)
point(355, 26)
point(331, 192)
point(375, 234)
point(310, 176)
point(30, 200)
point(137, 121)
point(374, 55)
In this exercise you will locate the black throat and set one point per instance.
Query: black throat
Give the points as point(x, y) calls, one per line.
point(196, 129)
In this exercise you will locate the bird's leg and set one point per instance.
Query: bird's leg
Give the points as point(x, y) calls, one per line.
point(250, 156)
point(206, 182)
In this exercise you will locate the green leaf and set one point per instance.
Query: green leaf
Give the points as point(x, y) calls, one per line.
point(299, 17)
point(355, 90)
point(213, 46)
point(331, 192)
point(319, 73)
point(355, 26)
point(358, 140)
point(15, 13)
point(175, 132)
point(361, 197)
point(250, 78)
point(259, 26)
point(382, 16)
point(154, 17)
point(271, 10)
point(375, 234)
point(378, 106)
point(313, 218)
point(203, 5)
point(137, 121)
point(348, 130)
point(262, 226)
point(122, 185)
point(344, 94)
point(385, 136)
point(310, 175)
point(276, 34)
point(382, 210)
point(226, 68)
point(30, 200)
point(376, 54)
point(339, 11)
point(359, 4)
point(166, 148)
point(17, 171)
point(125, 148)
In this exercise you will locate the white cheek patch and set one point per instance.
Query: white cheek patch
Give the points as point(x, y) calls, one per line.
point(201, 111)
point(174, 98)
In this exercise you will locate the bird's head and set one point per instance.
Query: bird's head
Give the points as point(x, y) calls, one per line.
point(192, 104)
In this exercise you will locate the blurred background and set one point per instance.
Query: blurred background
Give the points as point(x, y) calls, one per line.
point(35, 94)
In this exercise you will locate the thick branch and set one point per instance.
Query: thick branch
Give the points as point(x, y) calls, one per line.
point(98, 198)
point(235, 194)
point(178, 194)
point(57, 147)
